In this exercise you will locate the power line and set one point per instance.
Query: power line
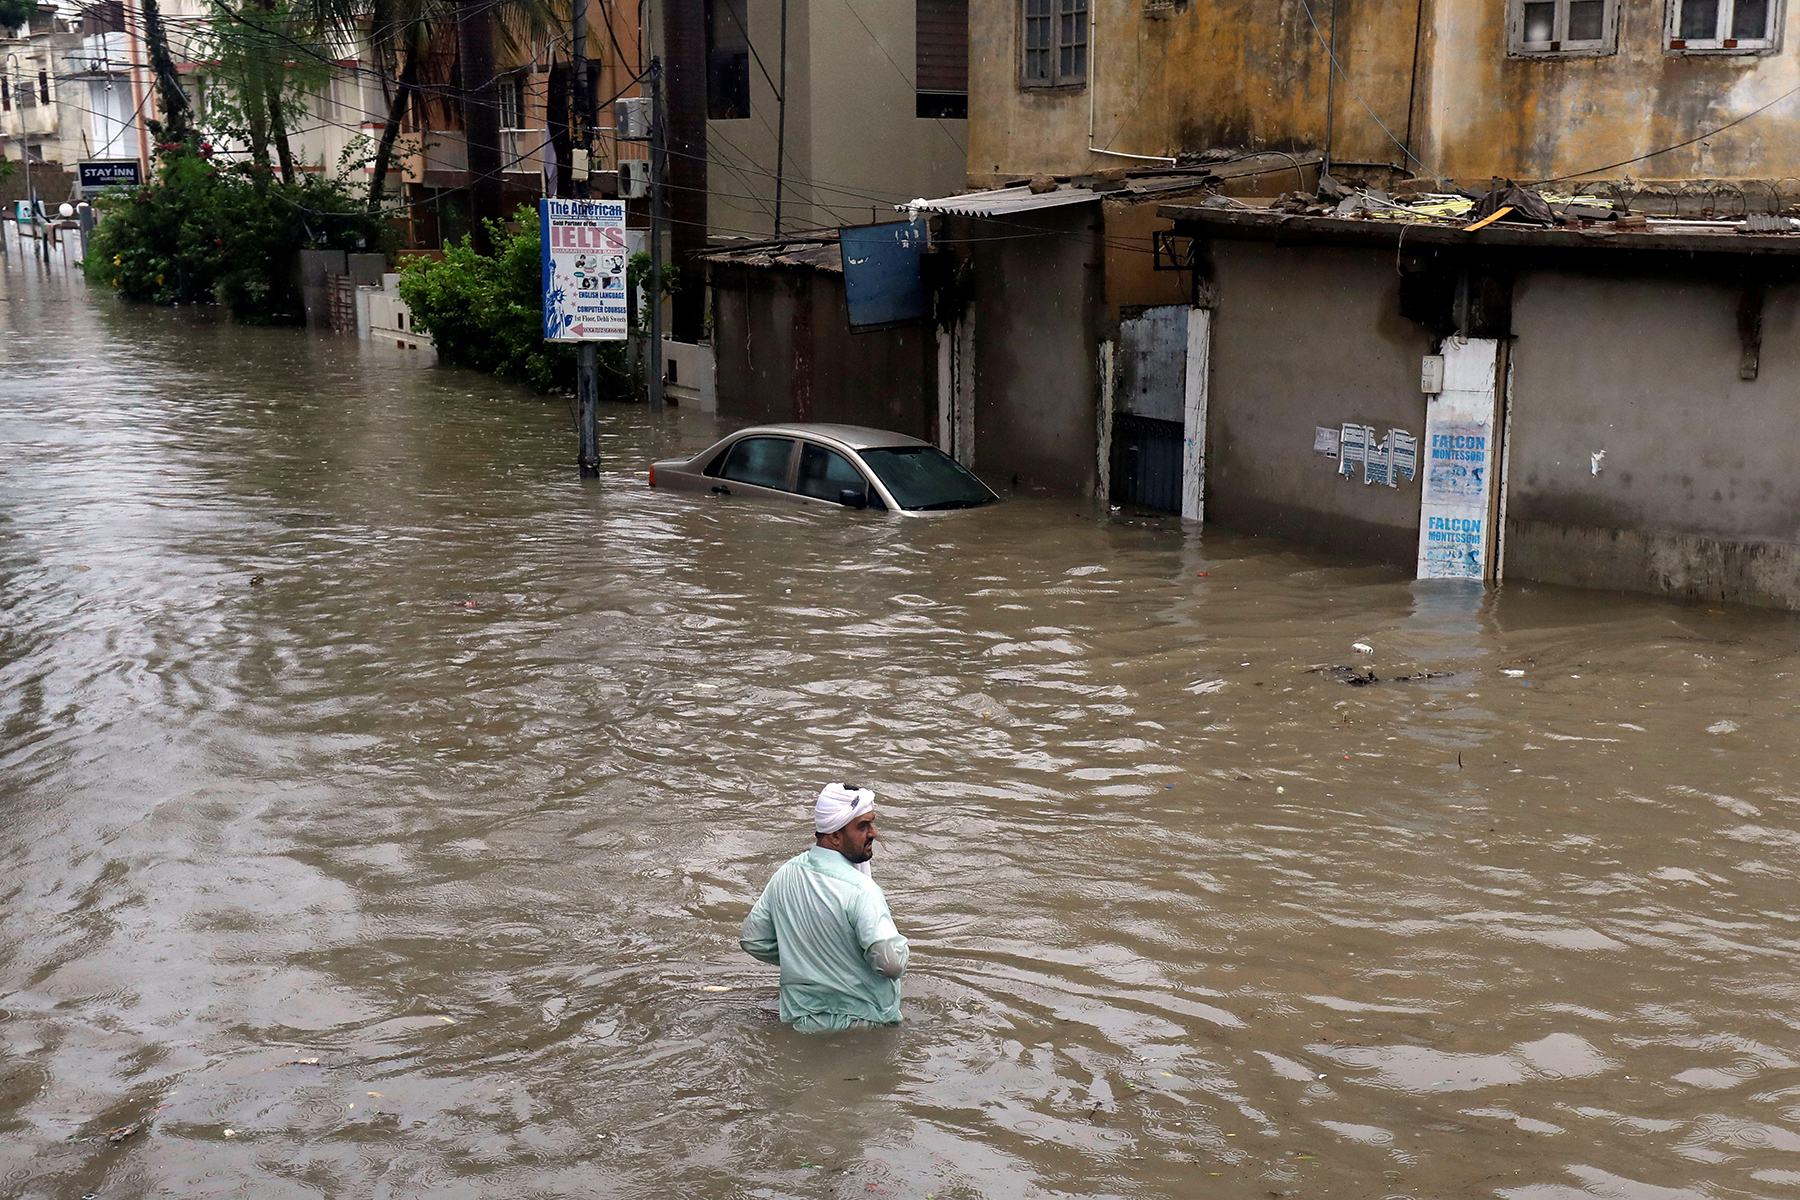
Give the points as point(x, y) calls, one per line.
point(1678, 145)
point(1345, 75)
point(901, 71)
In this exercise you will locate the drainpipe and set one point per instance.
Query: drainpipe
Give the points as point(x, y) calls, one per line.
point(1412, 88)
point(1093, 86)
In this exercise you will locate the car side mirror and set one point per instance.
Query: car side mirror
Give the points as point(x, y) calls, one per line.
point(850, 498)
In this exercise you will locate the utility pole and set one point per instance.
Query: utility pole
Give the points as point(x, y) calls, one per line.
point(781, 122)
point(37, 225)
point(45, 99)
point(581, 122)
point(684, 144)
point(481, 116)
point(587, 378)
point(657, 156)
point(139, 91)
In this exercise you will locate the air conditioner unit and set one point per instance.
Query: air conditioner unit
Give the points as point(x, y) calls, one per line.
point(634, 178)
point(631, 119)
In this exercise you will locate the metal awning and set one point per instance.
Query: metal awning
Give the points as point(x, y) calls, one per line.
point(1001, 202)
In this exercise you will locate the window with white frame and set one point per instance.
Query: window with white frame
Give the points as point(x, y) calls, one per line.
point(1722, 25)
point(1054, 43)
point(1565, 26)
point(512, 101)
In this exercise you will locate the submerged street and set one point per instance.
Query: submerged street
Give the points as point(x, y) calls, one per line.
point(379, 804)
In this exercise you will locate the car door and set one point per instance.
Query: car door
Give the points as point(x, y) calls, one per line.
point(824, 474)
point(757, 466)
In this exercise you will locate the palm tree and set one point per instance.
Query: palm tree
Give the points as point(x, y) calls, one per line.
point(406, 39)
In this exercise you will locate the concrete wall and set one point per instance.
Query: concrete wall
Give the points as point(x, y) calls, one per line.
point(1535, 118)
point(1303, 338)
point(853, 140)
point(1038, 312)
point(1187, 76)
point(785, 353)
point(1698, 493)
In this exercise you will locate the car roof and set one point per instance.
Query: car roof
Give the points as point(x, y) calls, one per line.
point(856, 437)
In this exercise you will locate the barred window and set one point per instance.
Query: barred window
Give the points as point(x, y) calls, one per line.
point(1054, 43)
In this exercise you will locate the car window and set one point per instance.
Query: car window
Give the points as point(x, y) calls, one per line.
point(762, 461)
point(925, 477)
point(825, 473)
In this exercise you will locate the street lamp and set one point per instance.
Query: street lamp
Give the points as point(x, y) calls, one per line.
point(25, 153)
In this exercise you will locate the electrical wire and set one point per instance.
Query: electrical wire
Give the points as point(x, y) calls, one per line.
point(356, 68)
point(816, 187)
point(904, 78)
point(1345, 76)
point(1626, 162)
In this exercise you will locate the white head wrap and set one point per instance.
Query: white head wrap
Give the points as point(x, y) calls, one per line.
point(838, 806)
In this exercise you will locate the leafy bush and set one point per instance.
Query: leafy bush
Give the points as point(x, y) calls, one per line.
point(487, 313)
point(199, 233)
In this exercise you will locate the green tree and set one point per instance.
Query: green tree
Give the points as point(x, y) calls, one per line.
point(199, 234)
point(265, 58)
point(16, 13)
point(400, 36)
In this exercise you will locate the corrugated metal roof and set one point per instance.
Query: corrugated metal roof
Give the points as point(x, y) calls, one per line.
point(1294, 230)
point(1001, 202)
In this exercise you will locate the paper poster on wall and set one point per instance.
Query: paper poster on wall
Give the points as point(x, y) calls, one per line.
point(1353, 447)
point(1405, 448)
point(1456, 459)
point(1378, 465)
point(1325, 441)
point(1459, 465)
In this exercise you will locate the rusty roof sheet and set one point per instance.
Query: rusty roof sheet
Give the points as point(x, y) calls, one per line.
point(809, 255)
point(1261, 224)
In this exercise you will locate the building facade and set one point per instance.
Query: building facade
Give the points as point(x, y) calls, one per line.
point(66, 92)
point(1460, 89)
point(876, 109)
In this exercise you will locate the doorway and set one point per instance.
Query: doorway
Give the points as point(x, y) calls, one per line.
point(1157, 458)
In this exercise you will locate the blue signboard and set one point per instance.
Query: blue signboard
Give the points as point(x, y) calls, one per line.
point(883, 284)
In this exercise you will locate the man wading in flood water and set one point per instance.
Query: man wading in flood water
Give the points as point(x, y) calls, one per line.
point(824, 921)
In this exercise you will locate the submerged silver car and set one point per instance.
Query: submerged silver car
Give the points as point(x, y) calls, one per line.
point(836, 464)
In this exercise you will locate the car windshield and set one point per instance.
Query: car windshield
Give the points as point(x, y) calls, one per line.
point(922, 477)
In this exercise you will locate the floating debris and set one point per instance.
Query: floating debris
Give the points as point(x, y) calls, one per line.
point(1365, 676)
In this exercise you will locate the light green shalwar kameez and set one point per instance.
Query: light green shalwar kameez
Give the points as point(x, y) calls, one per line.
point(827, 926)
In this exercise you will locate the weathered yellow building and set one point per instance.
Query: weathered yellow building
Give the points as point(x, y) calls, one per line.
point(1463, 89)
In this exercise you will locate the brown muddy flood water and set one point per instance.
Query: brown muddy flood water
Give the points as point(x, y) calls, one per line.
point(417, 869)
